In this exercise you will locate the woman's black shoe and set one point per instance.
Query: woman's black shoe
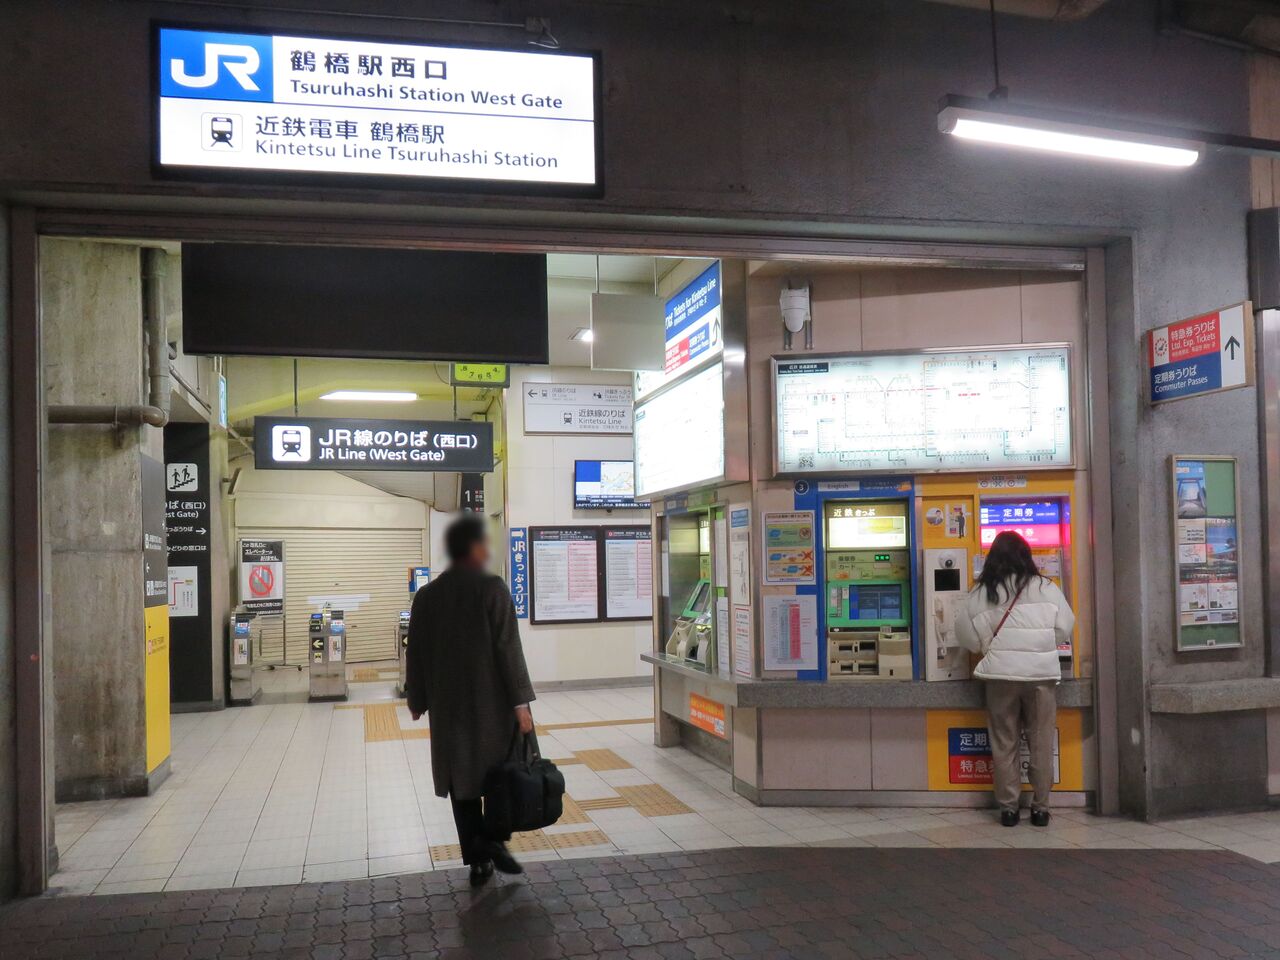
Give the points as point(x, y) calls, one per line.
point(481, 872)
point(1008, 818)
point(1039, 818)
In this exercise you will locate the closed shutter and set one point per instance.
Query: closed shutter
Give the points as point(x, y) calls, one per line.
point(362, 572)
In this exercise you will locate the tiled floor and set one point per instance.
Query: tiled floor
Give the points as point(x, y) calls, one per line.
point(761, 903)
point(286, 791)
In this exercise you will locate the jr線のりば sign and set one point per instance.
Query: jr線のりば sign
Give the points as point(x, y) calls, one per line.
point(347, 105)
point(1203, 354)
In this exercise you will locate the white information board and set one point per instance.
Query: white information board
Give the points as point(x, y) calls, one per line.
point(628, 573)
point(566, 583)
point(989, 408)
point(679, 434)
point(350, 106)
point(576, 408)
point(791, 632)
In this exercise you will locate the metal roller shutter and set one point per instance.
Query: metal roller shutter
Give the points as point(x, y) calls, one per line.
point(363, 572)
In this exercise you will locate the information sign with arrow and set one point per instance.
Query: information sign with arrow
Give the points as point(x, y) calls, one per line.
point(1203, 354)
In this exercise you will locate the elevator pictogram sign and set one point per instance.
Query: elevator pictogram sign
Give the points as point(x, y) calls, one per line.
point(262, 581)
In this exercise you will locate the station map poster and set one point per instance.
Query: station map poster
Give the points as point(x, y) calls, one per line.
point(980, 409)
point(1207, 559)
point(271, 106)
point(679, 434)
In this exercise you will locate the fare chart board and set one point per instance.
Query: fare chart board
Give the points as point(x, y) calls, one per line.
point(937, 411)
point(588, 574)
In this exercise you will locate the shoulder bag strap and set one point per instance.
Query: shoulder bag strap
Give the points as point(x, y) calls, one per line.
point(1008, 610)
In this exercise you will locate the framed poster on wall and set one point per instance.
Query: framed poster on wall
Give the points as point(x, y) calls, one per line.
point(590, 574)
point(628, 572)
point(1206, 537)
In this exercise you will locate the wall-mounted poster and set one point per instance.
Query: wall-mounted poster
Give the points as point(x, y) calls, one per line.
point(565, 578)
point(628, 573)
point(1206, 532)
point(789, 547)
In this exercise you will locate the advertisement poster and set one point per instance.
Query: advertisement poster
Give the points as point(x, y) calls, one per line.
point(1207, 552)
point(742, 664)
point(740, 553)
point(789, 547)
point(707, 715)
point(791, 633)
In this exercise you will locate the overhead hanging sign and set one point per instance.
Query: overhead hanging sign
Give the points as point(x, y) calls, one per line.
point(313, 443)
point(954, 410)
point(486, 117)
point(576, 408)
point(693, 330)
point(1204, 354)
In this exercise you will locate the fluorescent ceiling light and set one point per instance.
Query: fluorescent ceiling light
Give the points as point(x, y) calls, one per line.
point(583, 335)
point(1054, 132)
point(372, 396)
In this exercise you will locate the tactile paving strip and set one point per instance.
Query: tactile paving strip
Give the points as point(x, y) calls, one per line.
point(373, 675)
point(653, 800)
point(604, 803)
point(573, 812)
point(579, 838)
point(382, 723)
point(442, 852)
point(601, 760)
point(529, 842)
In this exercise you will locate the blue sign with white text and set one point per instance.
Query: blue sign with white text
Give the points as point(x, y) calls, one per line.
point(216, 66)
point(520, 571)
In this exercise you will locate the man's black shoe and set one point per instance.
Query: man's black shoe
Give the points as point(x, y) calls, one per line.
point(503, 860)
point(1039, 818)
point(481, 872)
point(1008, 818)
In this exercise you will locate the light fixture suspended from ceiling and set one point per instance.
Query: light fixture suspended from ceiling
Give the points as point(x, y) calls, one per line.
point(371, 396)
point(996, 121)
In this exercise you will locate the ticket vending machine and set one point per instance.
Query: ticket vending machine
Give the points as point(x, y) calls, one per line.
point(242, 687)
point(1045, 523)
point(693, 638)
point(327, 632)
point(402, 649)
point(867, 588)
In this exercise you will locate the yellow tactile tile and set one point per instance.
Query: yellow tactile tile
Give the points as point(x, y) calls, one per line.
point(601, 760)
point(529, 842)
point(579, 838)
point(604, 803)
point(382, 723)
point(653, 800)
point(446, 851)
point(573, 812)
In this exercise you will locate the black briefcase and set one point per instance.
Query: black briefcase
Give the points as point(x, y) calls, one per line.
point(524, 793)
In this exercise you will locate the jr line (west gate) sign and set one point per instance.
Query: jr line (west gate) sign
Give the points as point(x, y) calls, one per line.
point(319, 443)
point(351, 106)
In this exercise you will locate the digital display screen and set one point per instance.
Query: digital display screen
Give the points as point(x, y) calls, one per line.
point(878, 526)
point(1039, 522)
point(875, 602)
point(700, 601)
point(940, 411)
point(605, 485)
point(679, 434)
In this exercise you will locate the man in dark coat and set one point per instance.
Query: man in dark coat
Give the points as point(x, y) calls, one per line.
point(465, 667)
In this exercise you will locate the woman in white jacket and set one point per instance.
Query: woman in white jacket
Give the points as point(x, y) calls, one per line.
point(1014, 618)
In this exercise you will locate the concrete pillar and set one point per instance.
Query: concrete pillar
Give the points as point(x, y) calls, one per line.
point(8, 719)
point(111, 730)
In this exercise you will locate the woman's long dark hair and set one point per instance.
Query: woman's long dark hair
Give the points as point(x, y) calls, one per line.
point(1008, 562)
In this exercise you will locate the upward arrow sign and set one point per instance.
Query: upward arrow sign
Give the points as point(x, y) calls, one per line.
point(1233, 345)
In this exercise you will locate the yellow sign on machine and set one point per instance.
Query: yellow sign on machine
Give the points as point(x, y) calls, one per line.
point(157, 685)
point(959, 751)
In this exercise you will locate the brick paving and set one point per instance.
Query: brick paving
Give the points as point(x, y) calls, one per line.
point(740, 903)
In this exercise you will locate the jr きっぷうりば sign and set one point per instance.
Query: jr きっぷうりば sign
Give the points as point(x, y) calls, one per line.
point(354, 106)
point(1203, 354)
point(310, 443)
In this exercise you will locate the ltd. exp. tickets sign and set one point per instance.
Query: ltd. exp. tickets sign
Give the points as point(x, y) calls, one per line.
point(308, 443)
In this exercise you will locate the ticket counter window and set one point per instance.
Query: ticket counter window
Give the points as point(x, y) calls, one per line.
point(868, 590)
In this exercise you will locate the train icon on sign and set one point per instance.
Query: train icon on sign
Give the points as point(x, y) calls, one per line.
point(290, 443)
point(220, 132)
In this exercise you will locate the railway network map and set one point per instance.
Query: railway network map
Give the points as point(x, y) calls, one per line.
point(961, 410)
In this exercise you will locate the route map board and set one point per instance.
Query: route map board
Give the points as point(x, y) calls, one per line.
point(937, 411)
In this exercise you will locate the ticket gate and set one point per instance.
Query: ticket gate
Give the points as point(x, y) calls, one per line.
point(327, 632)
point(242, 686)
point(402, 648)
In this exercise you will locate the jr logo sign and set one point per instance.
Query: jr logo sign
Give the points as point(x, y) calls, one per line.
point(215, 66)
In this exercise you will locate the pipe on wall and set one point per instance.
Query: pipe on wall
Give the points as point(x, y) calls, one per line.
point(155, 412)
